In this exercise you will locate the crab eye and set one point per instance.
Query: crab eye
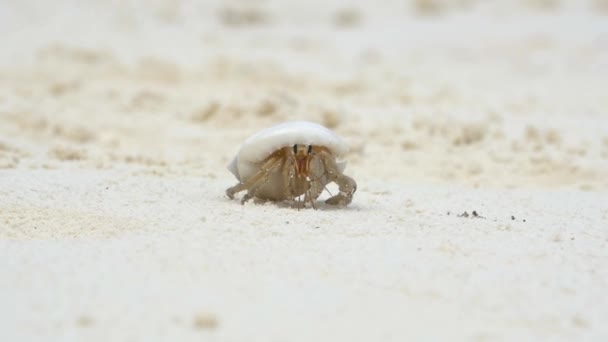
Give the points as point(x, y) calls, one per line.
point(295, 149)
point(309, 149)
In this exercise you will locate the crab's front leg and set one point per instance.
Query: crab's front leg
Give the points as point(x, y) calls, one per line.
point(256, 181)
point(290, 180)
point(288, 173)
point(316, 180)
point(346, 185)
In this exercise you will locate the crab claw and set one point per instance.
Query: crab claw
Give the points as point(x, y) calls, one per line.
point(347, 187)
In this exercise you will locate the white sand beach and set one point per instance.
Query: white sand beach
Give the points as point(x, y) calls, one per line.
point(478, 136)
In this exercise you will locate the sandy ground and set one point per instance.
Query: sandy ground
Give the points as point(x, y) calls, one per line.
point(117, 121)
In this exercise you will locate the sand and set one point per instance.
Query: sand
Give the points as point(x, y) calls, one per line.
point(479, 141)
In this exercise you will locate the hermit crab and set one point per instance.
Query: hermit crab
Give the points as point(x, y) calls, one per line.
point(292, 162)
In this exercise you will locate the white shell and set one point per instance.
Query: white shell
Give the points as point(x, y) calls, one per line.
point(260, 145)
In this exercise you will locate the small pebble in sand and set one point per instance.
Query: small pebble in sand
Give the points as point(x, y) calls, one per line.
point(474, 214)
point(84, 321)
point(465, 214)
point(205, 321)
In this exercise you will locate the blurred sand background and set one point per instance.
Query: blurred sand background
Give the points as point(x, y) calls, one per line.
point(117, 120)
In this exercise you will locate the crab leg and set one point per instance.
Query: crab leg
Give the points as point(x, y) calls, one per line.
point(288, 176)
point(256, 181)
point(315, 188)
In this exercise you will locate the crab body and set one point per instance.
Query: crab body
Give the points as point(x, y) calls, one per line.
point(291, 160)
